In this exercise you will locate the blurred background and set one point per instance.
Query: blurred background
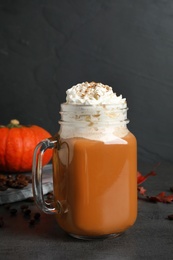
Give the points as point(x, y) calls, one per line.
point(48, 46)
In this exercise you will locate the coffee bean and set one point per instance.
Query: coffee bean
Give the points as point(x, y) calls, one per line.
point(18, 181)
point(13, 211)
point(27, 212)
point(3, 177)
point(24, 207)
point(37, 216)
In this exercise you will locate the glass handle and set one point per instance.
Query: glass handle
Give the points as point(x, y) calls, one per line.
point(37, 172)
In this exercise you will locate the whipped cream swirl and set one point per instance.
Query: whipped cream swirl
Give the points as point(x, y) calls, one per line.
point(93, 93)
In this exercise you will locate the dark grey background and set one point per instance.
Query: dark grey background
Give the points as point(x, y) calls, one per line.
point(46, 46)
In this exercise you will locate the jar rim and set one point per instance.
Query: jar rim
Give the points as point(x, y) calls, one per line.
point(102, 106)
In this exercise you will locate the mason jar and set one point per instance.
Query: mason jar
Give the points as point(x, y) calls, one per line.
point(94, 171)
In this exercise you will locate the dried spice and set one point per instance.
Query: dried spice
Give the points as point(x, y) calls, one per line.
point(142, 178)
point(141, 190)
point(161, 197)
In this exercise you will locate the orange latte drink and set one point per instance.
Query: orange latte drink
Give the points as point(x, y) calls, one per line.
point(94, 164)
point(98, 185)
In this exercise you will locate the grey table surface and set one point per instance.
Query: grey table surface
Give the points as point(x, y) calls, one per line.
point(150, 238)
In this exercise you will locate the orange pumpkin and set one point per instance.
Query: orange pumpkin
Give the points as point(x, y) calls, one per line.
point(17, 144)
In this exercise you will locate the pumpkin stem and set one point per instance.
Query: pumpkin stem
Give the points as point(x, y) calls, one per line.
point(14, 123)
